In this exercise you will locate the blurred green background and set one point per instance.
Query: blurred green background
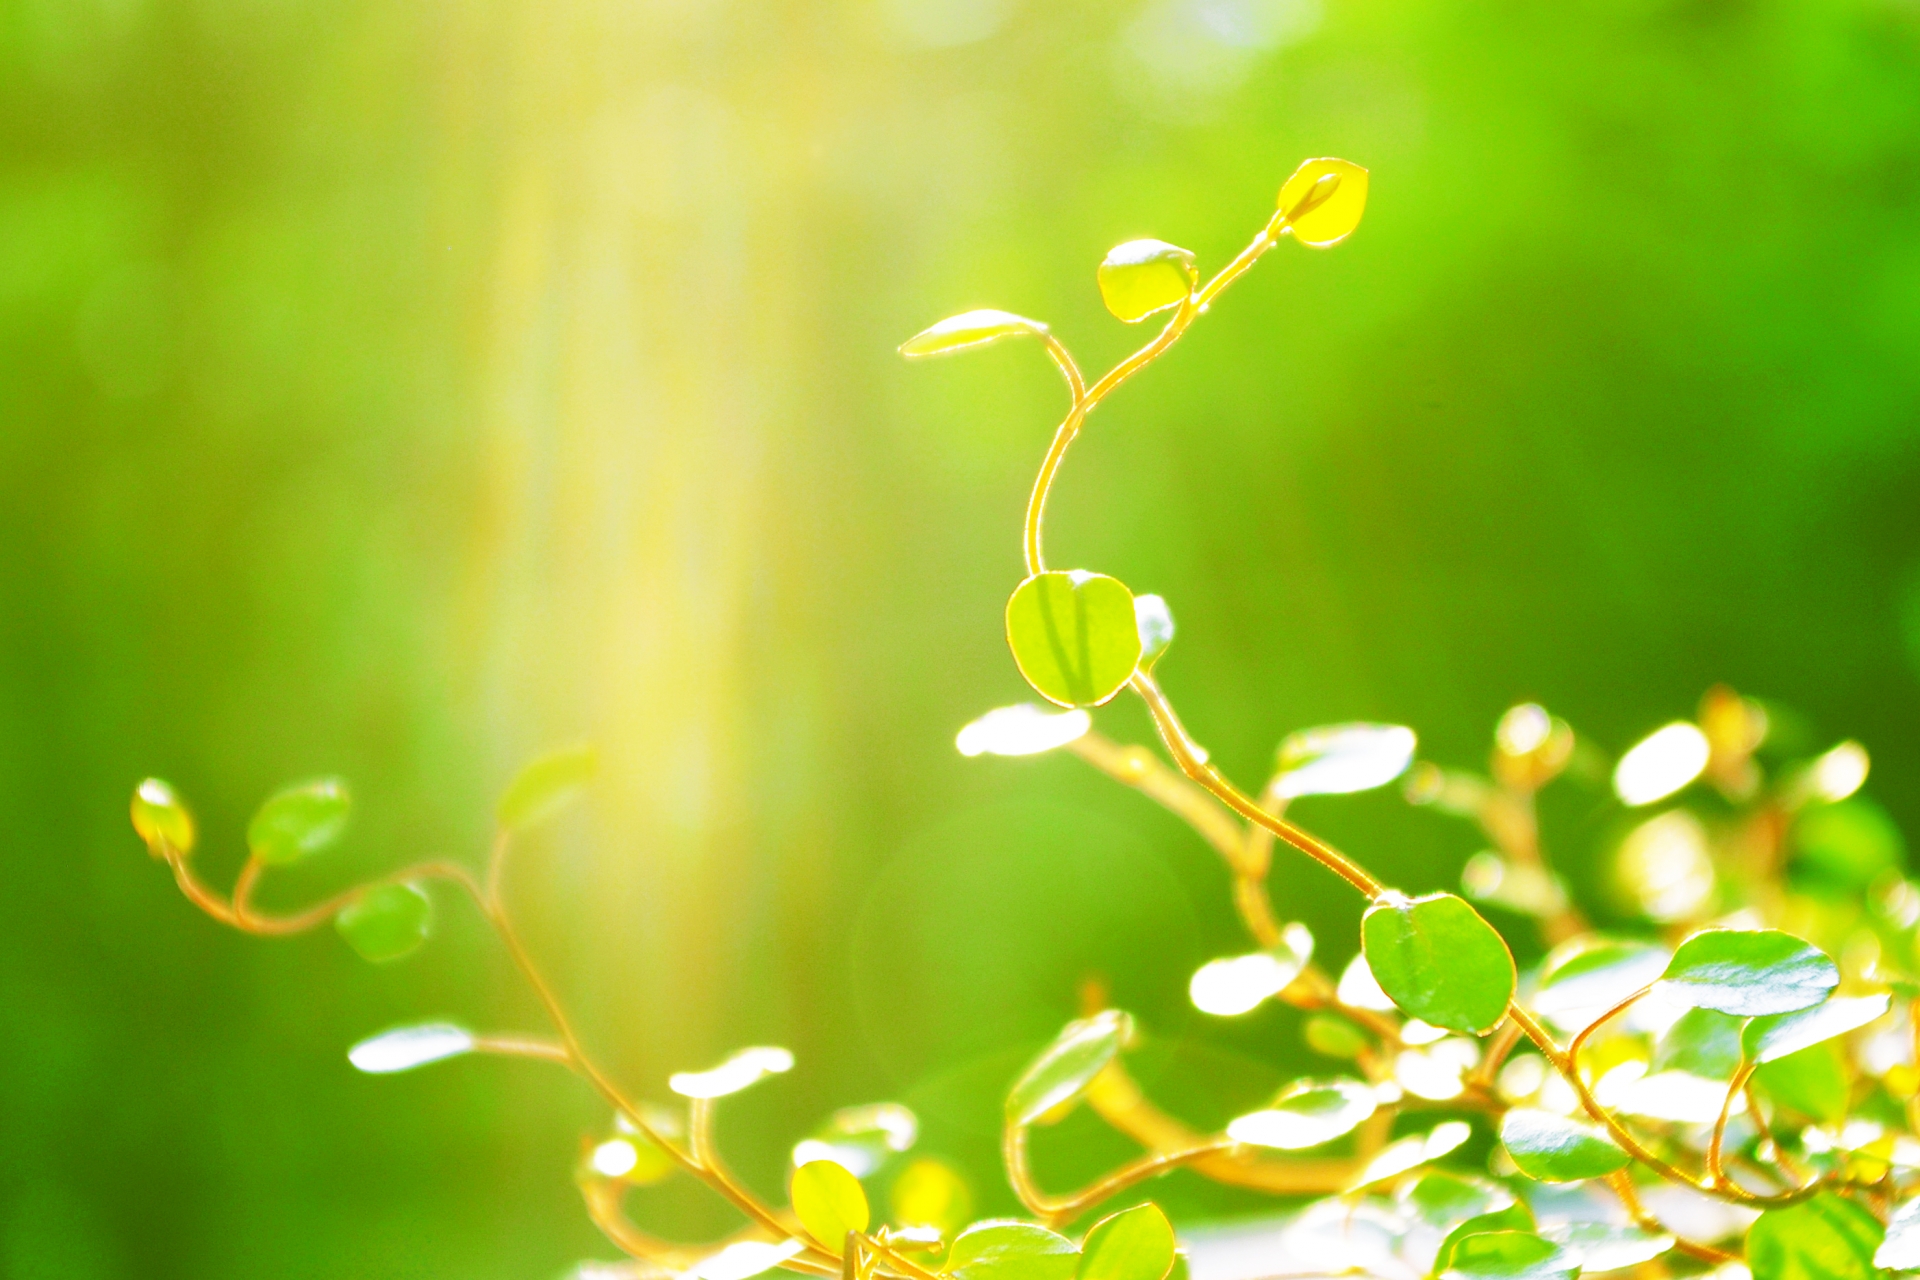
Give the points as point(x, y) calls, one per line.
point(400, 387)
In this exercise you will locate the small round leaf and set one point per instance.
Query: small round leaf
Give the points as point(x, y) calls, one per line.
point(1825, 1238)
point(1024, 729)
point(161, 819)
point(1334, 1037)
point(1306, 1114)
point(1509, 1255)
point(386, 922)
point(1335, 212)
point(1438, 960)
point(1141, 277)
point(1154, 621)
point(546, 785)
point(299, 821)
point(1748, 972)
point(1004, 1250)
point(1066, 1067)
point(829, 1202)
point(968, 329)
point(1134, 1244)
point(1553, 1148)
point(1337, 759)
point(928, 1193)
point(1074, 636)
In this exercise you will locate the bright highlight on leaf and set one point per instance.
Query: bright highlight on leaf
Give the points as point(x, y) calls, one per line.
point(860, 1139)
point(1154, 621)
point(386, 922)
point(928, 1193)
point(1771, 1038)
point(1665, 867)
point(161, 819)
point(1509, 1255)
point(1066, 1067)
point(1336, 759)
point(1022, 730)
point(1358, 988)
point(968, 329)
point(547, 785)
point(404, 1048)
point(1825, 1238)
point(1438, 960)
point(1601, 1246)
point(1134, 1244)
point(1839, 773)
point(1748, 972)
point(1661, 763)
point(1587, 977)
point(743, 1070)
point(1306, 1114)
point(1074, 636)
point(630, 1158)
point(1553, 1148)
point(743, 1260)
point(300, 821)
point(1141, 277)
point(1900, 1251)
point(1334, 211)
point(1412, 1152)
point(1237, 984)
point(829, 1202)
point(1000, 1250)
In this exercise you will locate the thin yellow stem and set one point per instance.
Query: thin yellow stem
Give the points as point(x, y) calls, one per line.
point(1716, 1173)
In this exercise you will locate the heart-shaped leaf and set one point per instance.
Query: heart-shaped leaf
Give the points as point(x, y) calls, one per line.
point(1771, 1038)
point(547, 785)
point(829, 1202)
point(299, 821)
point(1074, 635)
point(1748, 972)
point(1141, 277)
point(1005, 1250)
point(1553, 1148)
point(968, 329)
point(1134, 1244)
point(386, 922)
point(1509, 1255)
point(1336, 759)
point(1066, 1067)
point(1334, 210)
point(1825, 1238)
point(161, 819)
point(1438, 960)
point(1306, 1114)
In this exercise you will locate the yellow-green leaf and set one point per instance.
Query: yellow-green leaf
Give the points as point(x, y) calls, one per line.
point(161, 819)
point(1004, 1250)
point(1141, 277)
point(1134, 1244)
point(929, 1193)
point(1825, 1238)
point(386, 922)
point(1306, 1114)
point(1554, 1148)
point(1330, 213)
point(1074, 636)
point(968, 329)
point(299, 821)
point(546, 785)
point(829, 1202)
point(1066, 1067)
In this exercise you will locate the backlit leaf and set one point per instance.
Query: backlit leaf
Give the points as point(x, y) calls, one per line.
point(1513, 1216)
point(1601, 1246)
point(546, 785)
point(1022, 730)
point(1134, 1244)
point(1336, 759)
point(404, 1048)
point(1438, 960)
point(1238, 984)
point(743, 1070)
point(1900, 1251)
point(1067, 1066)
point(1509, 1255)
point(299, 821)
point(1812, 1082)
point(1845, 846)
point(1336, 211)
point(1661, 763)
point(929, 1193)
point(1006, 1250)
point(860, 1139)
point(1411, 1152)
point(1701, 1042)
point(1748, 972)
point(1306, 1114)
point(1825, 1238)
point(1141, 277)
point(968, 329)
point(1074, 636)
point(1585, 978)
point(829, 1202)
point(386, 922)
point(1444, 1199)
point(1154, 621)
point(1554, 1148)
point(1771, 1038)
point(743, 1260)
point(161, 819)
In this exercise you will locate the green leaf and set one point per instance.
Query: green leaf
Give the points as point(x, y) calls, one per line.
point(1337, 759)
point(299, 821)
point(1443, 1199)
point(1006, 1250)
point(1438, 960)
point(1336, 209)
point(386, 922)
point(1306, 1114)
point(1066, 1067)
point(1555, 1148)
point(928, 1193)
point(1601, 1246)
point(1900, 1251)
point(1134, 1244)
point(829, 1202)
point(1846, 846)
point(161, 819)
point(1074, 636)
point(1825, 1238)
point(1748, 972)
point(1511, 1217)
point(1334, 1036)
point(1509, 1255)
point(860, 1139)
point(1701, 1042)
point(404, 1048)
point(743, 1070)
point(1154, 621)
point(1771, 1038)
point(1141, 277)
point(968, 329)
point(1813, 1082)
point(546, 785)
point(1590, 975)
point(1411, 1152)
